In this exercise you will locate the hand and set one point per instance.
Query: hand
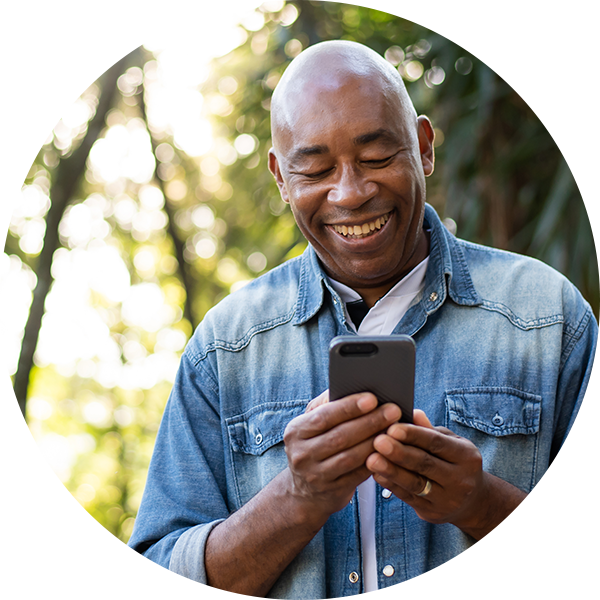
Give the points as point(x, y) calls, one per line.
point(407, 456)
point(328, 445)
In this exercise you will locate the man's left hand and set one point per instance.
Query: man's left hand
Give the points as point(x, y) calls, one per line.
point(408, 456)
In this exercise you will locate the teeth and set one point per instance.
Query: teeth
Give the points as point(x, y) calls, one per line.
point(362, 230)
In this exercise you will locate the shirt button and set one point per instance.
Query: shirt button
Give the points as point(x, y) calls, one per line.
point(258, 439)
point(386, 493)
point(497, 420)
point(353, 577)
point(433, 296)
point(388, 570)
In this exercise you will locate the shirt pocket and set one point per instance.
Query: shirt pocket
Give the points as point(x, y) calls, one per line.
point(503, 423)
point(256, 446)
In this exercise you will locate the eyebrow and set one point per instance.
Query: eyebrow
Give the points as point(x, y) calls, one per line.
point(309, 151)
point(361, 140)
point(379, 134)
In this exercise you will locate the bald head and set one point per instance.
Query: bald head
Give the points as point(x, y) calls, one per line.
point(327, 67)
point(351, 156)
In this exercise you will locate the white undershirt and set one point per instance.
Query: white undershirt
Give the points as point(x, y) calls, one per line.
point(380, 320)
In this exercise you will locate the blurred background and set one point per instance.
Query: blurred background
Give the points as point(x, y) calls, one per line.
point(151, 200)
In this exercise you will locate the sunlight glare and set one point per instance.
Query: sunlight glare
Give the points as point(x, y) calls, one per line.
point(182, 64)
point(125, 151)
point(145, 307)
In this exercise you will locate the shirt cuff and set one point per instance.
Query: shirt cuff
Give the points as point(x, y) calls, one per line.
point(187, 557)
point(581, 516)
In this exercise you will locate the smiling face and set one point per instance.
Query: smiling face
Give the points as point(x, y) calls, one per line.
point(351, 160)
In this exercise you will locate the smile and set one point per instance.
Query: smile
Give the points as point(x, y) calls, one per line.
point(356, 232)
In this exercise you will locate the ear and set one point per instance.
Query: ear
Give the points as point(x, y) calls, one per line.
point(426, 137)
point(276, 171)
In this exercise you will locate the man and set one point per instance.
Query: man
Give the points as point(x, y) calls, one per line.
point(253, 483)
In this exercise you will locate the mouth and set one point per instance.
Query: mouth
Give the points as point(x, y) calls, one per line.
point(357, 232)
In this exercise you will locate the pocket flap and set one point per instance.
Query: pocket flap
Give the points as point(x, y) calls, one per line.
point(497, 411)
point(260, 428)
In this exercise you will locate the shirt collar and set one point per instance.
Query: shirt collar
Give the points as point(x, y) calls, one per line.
point(447, 272)
point(409, 284)
point(447, 275)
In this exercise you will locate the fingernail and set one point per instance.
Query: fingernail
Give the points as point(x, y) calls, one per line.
point(392, 412)
point(383, 445)
point(397, 432)
point(367, 403)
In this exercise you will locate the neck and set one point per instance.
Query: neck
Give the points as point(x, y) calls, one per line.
point(372, 294)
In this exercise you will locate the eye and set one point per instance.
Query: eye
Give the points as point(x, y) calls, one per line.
point(316, 174)
point(379, 161)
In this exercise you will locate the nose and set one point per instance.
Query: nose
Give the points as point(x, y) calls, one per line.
point(351, 189)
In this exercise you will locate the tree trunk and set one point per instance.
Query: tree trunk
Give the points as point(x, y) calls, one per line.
point(178, 243)
point(65, 184)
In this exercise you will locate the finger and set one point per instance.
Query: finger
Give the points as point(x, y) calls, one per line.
point(331, 414)
point(407, 495)
point(347, 461)
point(409, 458)
point(351, 433)
point(420, 418)
point(318, 401)
point(403, 482)
point(424, 505)
point(337, 469)
point(438, 441)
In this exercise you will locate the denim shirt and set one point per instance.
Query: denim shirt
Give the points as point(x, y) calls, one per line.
point(505, 346)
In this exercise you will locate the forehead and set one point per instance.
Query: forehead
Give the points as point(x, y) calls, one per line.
point(324, 111)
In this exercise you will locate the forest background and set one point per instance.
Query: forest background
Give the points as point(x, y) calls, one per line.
point(151, 201)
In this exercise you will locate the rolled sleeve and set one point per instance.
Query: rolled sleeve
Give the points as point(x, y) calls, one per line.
point(187, 557)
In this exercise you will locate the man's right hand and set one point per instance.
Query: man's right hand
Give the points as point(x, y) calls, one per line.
point(327, 448)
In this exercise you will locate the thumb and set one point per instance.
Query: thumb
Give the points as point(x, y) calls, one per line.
point(318, 401)
point(420, 418)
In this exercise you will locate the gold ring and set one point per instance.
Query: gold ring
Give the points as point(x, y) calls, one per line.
point(425, 490)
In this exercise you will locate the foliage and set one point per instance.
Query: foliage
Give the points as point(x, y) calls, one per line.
point(184, 230)
point(499, 174)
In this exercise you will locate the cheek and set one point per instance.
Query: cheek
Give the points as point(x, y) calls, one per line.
point(305, 208)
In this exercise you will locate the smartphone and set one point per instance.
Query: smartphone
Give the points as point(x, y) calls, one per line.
point(383, 365)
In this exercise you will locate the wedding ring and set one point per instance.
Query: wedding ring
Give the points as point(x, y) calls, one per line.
point(425, 490)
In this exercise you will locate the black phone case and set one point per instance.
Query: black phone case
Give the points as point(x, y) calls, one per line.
point(389, 373)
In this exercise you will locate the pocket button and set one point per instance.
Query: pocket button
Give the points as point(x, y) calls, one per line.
point(258, 439)
point(497, 420)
